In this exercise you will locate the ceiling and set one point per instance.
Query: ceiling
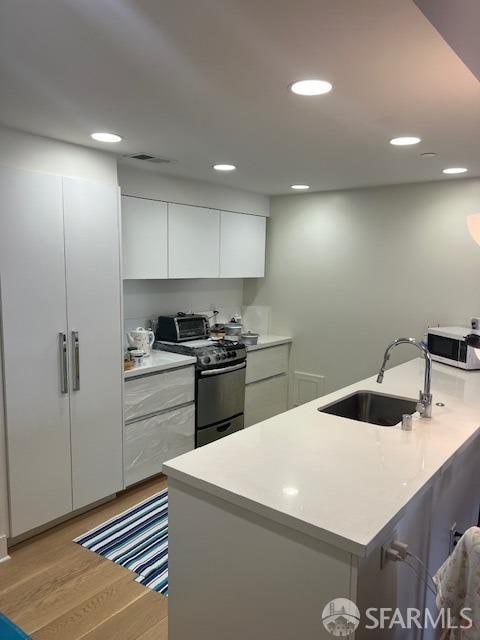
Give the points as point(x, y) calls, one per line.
point(205, 81)
point(458, 23)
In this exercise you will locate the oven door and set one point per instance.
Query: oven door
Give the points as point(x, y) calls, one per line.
point(220, 394)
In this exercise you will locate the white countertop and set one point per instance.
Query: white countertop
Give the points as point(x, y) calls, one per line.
point(336, 479)
point(160, 361)
point(265, 341)
point(163, 360)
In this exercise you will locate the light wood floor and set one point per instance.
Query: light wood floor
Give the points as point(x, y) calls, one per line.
point(55, 589)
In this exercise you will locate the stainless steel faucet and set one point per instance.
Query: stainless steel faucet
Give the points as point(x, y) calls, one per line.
point(425, 400)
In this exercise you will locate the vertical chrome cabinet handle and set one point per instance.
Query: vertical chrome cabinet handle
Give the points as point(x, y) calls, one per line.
point(76, 361)
point(62, 347)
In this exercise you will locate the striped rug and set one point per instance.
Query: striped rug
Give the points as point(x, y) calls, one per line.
point(136, 539)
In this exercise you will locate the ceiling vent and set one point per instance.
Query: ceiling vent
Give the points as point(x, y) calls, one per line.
point(147, 157)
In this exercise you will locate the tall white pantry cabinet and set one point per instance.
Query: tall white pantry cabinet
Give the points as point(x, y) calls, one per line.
point(61, 331)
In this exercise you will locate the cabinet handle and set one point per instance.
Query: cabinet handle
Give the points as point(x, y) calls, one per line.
point(62, 347)
point(76, 361)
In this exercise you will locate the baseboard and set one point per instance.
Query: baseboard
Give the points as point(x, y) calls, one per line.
point(53, 523)
point(3, 549)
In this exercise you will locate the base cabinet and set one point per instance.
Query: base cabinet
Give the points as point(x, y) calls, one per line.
point(159, 421)
point(266, 390)
point(152, 441)
point(237, 565)
point(265, 399)
point(452, 502)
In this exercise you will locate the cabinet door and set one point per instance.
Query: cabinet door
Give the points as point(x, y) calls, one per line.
point(265, 399)
point(92, 247)
point(152, 441)
point(150, 394)
point(265, 363)
point(32, 272)
point(144, 238)
point(242, 245)
point(193, 242)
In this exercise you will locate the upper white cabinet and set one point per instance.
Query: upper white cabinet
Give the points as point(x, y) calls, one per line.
point(193, 242)
point(165, 240)
point(242, 245)
point(144, 238)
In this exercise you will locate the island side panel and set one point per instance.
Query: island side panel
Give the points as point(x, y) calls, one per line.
point(233, 574)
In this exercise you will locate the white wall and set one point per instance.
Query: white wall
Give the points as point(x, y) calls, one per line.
point(36, 153)
point(144, 300)
point(348, 271)
point(147, 183)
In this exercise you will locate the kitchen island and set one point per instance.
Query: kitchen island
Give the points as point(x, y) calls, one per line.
point(269, 525)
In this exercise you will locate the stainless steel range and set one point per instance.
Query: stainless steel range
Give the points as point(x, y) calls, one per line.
point(219, 385)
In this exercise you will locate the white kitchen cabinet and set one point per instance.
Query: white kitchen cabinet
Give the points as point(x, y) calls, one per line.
point(193, 242)
point(151, 441)
point(33, 309)
point(266, 390)
point(265, 398)
point(242, 245)
point(268, 362)
point(60, 273)
point(144, 238)
point(153, 393)
point(94, 316)
point(159, 420)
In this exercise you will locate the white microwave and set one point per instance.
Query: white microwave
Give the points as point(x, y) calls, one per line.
point(457, 346)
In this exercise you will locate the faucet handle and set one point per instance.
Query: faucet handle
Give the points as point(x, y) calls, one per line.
point(420, 405)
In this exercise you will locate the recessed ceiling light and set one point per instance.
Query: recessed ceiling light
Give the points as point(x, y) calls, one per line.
point(404, 141)
point(224, 167)
point(455, 170)
point(300, 187)
point(290, 491)
point(428, 154)
point(311, 87)
point(106, 137)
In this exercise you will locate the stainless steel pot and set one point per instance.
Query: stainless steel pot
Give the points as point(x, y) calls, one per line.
point(249, 338)
point(233, 329)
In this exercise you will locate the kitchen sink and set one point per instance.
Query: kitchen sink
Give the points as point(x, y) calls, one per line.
point(375, 408)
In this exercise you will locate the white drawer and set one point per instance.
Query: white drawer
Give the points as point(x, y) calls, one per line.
point(152, 441)
point(265, 363)
point(265, 399)
point(153, 393)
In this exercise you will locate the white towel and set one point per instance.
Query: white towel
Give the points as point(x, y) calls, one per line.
point(458, 586)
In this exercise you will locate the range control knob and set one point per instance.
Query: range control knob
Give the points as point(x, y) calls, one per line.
point(223, 356)
point(233, 354)
point(206, 359)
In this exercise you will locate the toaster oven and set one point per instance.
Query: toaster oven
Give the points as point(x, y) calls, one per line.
point(181, 327)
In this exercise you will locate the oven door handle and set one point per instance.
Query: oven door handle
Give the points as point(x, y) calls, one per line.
point(214, 372)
